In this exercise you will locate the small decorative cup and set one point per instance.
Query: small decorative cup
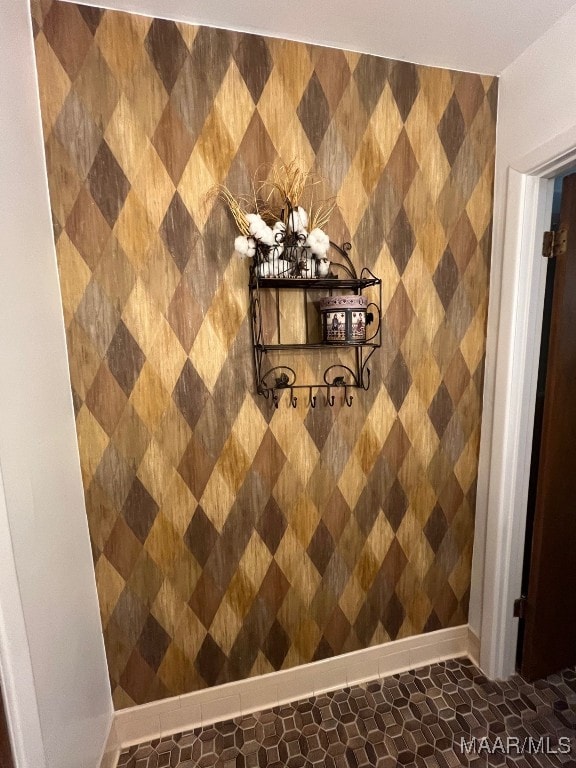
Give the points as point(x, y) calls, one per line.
point(343, 319)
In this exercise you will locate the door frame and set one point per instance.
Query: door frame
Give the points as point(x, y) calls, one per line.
point(16, 675)
point(510, 392)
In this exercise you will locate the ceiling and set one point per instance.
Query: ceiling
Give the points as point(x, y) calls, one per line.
point(472, 35)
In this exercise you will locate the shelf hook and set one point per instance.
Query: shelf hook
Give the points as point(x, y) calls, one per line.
point(293, 398)
point(348, 400)
point(275, 398)
point(330, 399)
point(311, 398)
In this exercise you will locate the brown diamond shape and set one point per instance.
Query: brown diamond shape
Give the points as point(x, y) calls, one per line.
point(469, 91)
point(254, 63)
point(314, 112)
point(210, 660)
point(319, 423)
point(243, 653)
point(153, 642)
point(445, 278)
point(125, 358)
point(395, 505)
point(92, 16)
point(436, 527)
point(402, 165)
point(451, 497)
point(337, 630)
point(492, 98)
point(366, 510)
point(139, 510)
point(256, 149)
point(370, 75)
point(107, 183)
point(405, 86)
point(334, 74)
point(366, 623)
point(200, 536)
point(269, 460)
point(196, 467)
point(323, 650)
point(78, 133)
point(336, 514)
point(457, 377)
point(433, 623)
point(201, 77)
point(173, 142)
point(115, 475)
point(401, 241)
point(452, 129)
point(393, 565)
point(122, 548)
point(441, 409)
point(179, 232)
point(68, 35)
point(277, 645)
point(463, 242)
point(97, 316)
point(396, 446)
point(369, 162)
point(445, 604)
point(190, 394)
point(399, 314)
point(398, 381)
point(321, 548)
point(137, 677)
point(105, 399)
point(167, 50)
point(393, 616)
point(132, 436)
point(382, 209)
point(388, 576)
point(184, 313)
point(274, 588)
point(98, 90)
point(271, 525)
point(87, 228)
point(206, 599)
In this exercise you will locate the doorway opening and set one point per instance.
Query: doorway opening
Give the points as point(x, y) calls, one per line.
point(548, 622)
point(538, 413)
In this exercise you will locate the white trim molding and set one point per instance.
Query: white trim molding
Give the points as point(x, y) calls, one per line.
point(137, 725)
point(528, 210)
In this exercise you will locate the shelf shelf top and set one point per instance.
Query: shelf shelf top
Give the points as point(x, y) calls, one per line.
point(314, 282)
point(320, 345)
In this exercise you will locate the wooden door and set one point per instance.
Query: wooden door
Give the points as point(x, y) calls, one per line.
point(5, 751)
point(550, 611)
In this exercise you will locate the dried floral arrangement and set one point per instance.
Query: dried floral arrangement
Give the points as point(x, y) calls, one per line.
point(283, 238)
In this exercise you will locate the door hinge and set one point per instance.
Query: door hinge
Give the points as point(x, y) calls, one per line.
point(554, 243)
point(520, 608)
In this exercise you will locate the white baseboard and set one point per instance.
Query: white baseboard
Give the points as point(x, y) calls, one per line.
point(473, 647)
point(136, 725)
point(112, 749)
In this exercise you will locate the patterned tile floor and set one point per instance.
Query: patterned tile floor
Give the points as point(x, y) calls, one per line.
point(440, 716)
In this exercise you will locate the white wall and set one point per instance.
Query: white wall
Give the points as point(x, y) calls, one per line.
point(536, 136)
point(437, 33)
point(53, 662)
point(53, 666)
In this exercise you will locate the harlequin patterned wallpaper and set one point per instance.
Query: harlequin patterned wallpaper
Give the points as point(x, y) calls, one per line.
point(230, 538)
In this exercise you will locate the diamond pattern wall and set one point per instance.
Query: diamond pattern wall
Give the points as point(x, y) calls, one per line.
point(231, 539)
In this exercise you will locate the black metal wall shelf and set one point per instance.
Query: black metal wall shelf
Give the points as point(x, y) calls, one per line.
point(272, 379)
